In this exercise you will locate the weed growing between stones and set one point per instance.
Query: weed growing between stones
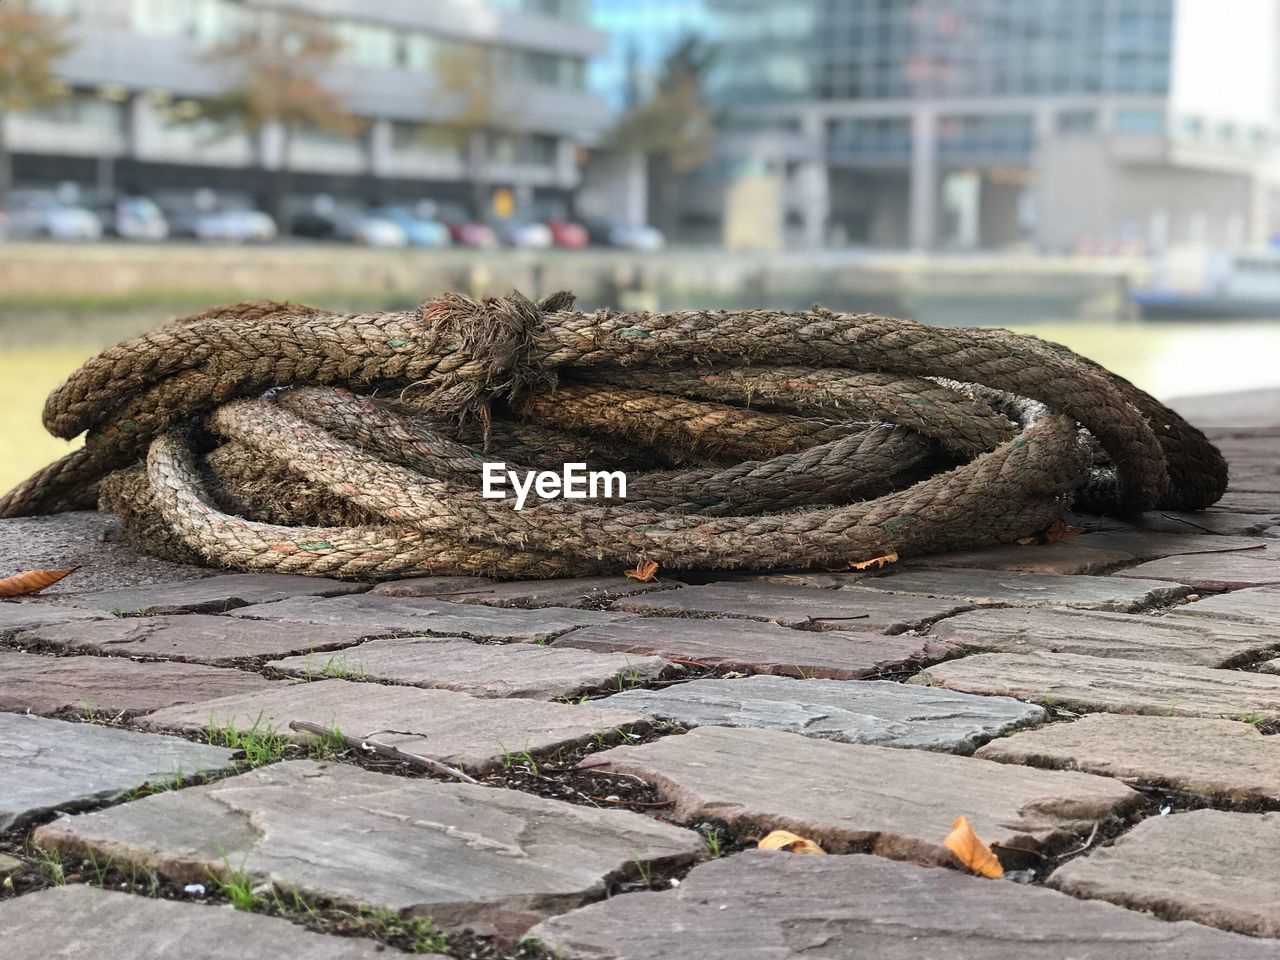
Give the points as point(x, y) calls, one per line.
point(260, 744)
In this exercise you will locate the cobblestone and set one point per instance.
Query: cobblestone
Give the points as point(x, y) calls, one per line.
point(493, 860)
point(896, 803)
point(873, 711)
point(1111, 685)
point(454, 728)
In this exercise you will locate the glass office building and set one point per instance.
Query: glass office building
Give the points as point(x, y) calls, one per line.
point(966, 122)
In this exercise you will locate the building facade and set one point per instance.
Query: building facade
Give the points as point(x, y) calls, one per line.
point(1067, 124)
point(140, 69)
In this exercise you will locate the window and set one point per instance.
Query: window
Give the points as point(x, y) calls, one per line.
point(1140, 122)
point(1077, 121)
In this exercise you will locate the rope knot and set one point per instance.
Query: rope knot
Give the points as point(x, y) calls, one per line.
point(496, 342)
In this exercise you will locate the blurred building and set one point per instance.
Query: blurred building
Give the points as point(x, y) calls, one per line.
point(641, 34)
point(1070, 124)
point(140, 69)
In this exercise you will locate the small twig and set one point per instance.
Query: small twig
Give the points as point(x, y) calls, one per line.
point(1088, 843)
point(392, 752)
point(689, 663)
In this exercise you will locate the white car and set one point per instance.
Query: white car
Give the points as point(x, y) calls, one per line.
point(376, 232)
point(33, 216)
point(637, 237)
point(137, 218)
point(233, 226)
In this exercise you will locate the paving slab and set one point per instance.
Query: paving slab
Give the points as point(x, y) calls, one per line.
point(807, 607)
point(1097, 634)
point(761, 647)
point(89, 540)
point(19, 615)
point(1240, 411)
point(212, 594)
point(1079, 555)
point(1153, 545)
point(1211, 571)
point(1259, 605)
point(1223, 522)
point(387, 615)
point(451, 727)
point(762, 905)
point(194, 638)
point(36, 683)
point(1220, 758)
point(1242, 501)
point(80, 922)
point(1024, 589)
point(481, 669)
point(793, 578)
point(569, 592)
point(490, 859)
point(431, 586)
point(48, 765)
point(1210, 866)
point(1110, 685)
point(870, 711)
point(894, 803)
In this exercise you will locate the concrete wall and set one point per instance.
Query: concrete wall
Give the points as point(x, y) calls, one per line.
point(1086, 194)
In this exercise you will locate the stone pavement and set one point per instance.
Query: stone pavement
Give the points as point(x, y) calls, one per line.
point(449, 765)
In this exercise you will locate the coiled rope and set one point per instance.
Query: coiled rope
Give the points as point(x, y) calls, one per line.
point(273, 436)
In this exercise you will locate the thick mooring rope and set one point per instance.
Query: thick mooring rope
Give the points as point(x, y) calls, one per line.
point(273, 436)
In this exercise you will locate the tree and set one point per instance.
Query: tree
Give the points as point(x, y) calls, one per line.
point(278, 79)
point(673, 128)
point(469, 82)
point(31, 44)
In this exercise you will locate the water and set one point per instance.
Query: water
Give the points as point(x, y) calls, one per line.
point(1165, 359)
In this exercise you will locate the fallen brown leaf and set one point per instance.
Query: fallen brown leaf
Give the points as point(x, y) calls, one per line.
point(875, 563)
point(1061, 530)
point(32, 581)
point(644, 572)
point(971, 851)
point(790, 842)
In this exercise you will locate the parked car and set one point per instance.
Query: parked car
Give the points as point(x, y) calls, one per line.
point(421, 231)
point(221, 224)
point(44, 216)
point(572, 236)
point(323, 218)
point(466, 232)
point(524, 235)
point(135, 218)
point(636, 237)
point(369, 230)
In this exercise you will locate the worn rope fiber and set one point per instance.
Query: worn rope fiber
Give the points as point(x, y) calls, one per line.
point(275, 436)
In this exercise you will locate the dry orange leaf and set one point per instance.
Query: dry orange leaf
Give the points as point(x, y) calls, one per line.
point(875, 563)
point(1061, 530)
point(790, 842)
point(644, 572)
point(971, 851)
point(32, 581)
